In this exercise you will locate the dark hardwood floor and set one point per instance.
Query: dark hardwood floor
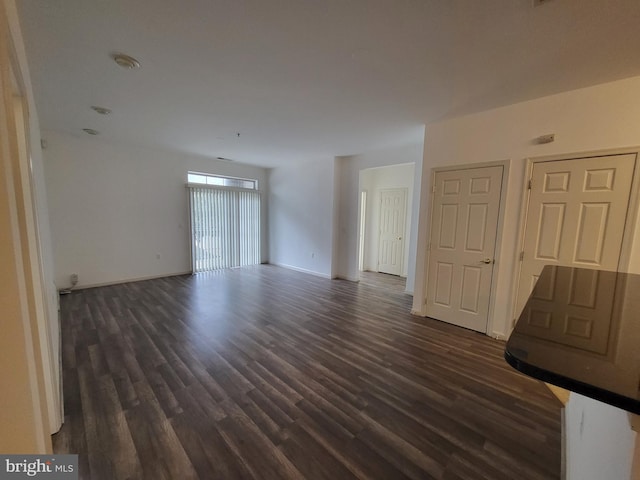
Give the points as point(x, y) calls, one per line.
point(267, 373)
point(385, 281)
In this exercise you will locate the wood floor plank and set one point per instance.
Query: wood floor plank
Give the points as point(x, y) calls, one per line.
point(267, 373)
point(311, 458)
point(253, 446)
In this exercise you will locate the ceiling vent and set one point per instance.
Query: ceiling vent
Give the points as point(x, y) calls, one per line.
point(101, 110)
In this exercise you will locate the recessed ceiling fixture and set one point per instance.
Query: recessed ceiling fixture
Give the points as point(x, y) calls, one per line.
point(101, 110)
point(125, 61)
point(90, 131)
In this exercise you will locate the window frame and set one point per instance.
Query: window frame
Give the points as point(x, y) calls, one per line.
point(254, 181)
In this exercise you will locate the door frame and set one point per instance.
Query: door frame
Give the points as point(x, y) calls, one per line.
point(630, 221)
point(505, 164)
point(31, 308)
point(362, 228)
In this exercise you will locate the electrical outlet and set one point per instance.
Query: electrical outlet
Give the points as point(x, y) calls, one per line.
point(74, 278)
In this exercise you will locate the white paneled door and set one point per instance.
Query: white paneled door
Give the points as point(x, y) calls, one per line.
point(576, 216)
point(393, 213)
point(464, 223)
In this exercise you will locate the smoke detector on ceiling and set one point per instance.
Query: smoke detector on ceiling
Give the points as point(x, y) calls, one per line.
point(125, 61)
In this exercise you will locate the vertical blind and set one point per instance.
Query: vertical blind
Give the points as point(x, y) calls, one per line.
point(225, 228)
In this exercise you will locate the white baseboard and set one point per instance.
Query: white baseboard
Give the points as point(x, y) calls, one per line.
point(348, 278)
point(301, 270)
point(499, 336)
point(129, 280)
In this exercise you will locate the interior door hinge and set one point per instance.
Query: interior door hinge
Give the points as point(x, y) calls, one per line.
point(522, 255)
point(529, 185)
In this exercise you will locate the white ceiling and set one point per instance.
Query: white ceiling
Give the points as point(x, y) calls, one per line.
point(308, 79)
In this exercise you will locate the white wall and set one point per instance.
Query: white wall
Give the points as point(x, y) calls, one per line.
point(301, 211)
point(600, 442)
point(348, 196)
point(595, 118)
point(114, 208)
point(373, 180)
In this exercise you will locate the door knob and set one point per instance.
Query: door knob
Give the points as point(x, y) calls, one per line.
point(487, 260)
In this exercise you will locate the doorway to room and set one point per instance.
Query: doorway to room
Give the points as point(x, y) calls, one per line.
point(386, 195)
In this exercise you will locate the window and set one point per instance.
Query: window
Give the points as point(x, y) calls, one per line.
point(220, 181)
point(225, 222)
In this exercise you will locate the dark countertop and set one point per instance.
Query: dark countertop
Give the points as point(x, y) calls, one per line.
point(580, 330)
